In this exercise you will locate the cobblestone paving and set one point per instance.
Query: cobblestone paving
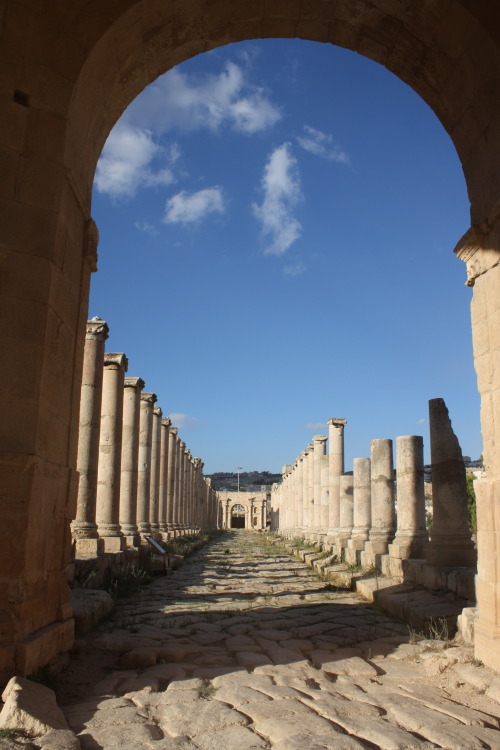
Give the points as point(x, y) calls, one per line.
point(243, 647)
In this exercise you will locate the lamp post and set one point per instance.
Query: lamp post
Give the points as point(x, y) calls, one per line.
point(238, 469)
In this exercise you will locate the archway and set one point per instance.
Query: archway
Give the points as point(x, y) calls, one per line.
point(67, 77)
point(237, 517)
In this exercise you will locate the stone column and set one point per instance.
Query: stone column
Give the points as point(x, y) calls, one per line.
point(310, 489)
point(319, 450)
point(362, 504)
point(325, 494)
point(84, 526)
point(336, 427)
point(305, 489)
point(411, 534)
point(346, 485)
point(299, 484)
point(172, 462)
point(110, 452)
point(130, 459)
point(383, 506)
point(181, 487)
point(450, 538)
point(148, 401)
point(163, 486)
point(154, 486)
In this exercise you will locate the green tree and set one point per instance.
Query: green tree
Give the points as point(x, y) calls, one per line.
point(471, 502)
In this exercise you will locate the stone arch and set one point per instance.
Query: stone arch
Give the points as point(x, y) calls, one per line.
point(67, 75)
point(237, 515)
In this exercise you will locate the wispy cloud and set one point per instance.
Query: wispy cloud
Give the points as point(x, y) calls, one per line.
point(131, 159)
point(188, 208)
point(294, 269)
point(183, 421)
point(146, 227)
point(181, 101)
point(322, 145)
point(421, 421)
point(315, 426)
point(281, 187)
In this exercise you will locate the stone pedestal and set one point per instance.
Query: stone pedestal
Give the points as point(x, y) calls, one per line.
point(110, 453)
point(411, 534)
point(382, 506)
point(130, 459)
point(148, 401)
point(450, 538)
point(84, 527)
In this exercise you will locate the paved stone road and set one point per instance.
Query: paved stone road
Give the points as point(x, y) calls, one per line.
point(244, 648)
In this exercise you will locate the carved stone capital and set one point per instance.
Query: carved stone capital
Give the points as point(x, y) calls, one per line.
point(137, 383)
point(477, 258)
point(166, 421)
point(118, 360)
point(320, 438)
point(157, 411)
point(97, 329)
point(174, 431)
point(150, 398)
point(337, 422)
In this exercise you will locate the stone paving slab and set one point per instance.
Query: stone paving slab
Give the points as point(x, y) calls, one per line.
point(248, 649)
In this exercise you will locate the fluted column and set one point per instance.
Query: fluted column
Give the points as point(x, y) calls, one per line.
point(84, 527)
point(130, 459)
point(450, 542)
point(148, 401)
point(172, 463)
point(411, 534)
point(336, 427)
point(382, 489)
point(163, 484)
point(110, 452)
point(154, 486)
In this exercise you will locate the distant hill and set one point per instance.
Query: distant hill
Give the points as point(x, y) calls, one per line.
point(250, 481)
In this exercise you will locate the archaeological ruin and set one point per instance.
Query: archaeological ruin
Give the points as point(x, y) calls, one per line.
point(73, 482)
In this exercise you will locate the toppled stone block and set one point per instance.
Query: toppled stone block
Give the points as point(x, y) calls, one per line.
point(31, 707)
point(465, 624)
point(89, 607)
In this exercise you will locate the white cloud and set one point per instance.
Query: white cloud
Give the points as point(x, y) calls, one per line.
point(294, 269)
point(281, 187)
point(183, 421)
point(322, 145)
point(186, 208)
point(178, 100)
point(126, 163)
point(146, 227)
point(315, 426)
point(421, 421)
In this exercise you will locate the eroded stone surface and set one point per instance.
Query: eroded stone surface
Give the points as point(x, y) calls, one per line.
point(253, 651)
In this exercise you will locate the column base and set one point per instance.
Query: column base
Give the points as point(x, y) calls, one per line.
point(113, 543)
point(88, 547)
point(357, 543)
point(449, 550)
point(408, 547)
point(132, 541)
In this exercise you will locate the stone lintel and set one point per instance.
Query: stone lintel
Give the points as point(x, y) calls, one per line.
point(97, 329)
point(116, 359)
point(137, 383)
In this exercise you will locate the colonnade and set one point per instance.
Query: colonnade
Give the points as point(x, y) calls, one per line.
point(136, 477)
point(354, 513)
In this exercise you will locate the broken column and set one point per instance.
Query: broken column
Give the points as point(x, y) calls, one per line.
point(411, 534)
point(84, 526)
point(110, 452)
point(361, 508)
point(383, 507)
point(336, 427)
point(130, 459)
point(450, 537)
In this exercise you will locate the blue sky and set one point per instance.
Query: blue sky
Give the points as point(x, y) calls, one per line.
point(277, 220)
